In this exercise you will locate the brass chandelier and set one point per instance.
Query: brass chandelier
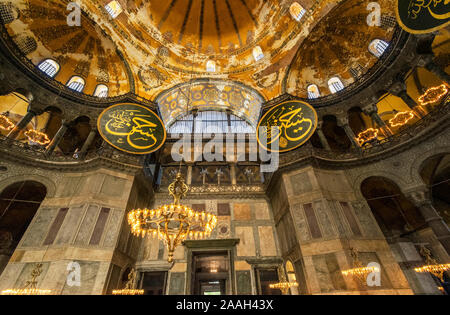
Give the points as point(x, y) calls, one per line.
point(358, 271)
point(30, 287)
point(283, 285)
point(431, 265)
point(172, 223)
point(129, 286)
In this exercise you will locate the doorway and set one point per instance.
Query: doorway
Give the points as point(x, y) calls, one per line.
point(210, 273)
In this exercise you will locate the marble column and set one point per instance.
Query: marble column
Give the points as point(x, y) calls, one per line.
point(343, 123)
point(22, 124)
point(399, 90)
point(87, 144)
point(422, 199)
point(57, 138)
point(233, 174)
point(372, 112)
point(322, 138)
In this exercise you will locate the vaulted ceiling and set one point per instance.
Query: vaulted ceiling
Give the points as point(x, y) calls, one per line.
point(154, 45)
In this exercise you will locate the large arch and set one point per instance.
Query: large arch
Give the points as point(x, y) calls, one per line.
point(19, 203)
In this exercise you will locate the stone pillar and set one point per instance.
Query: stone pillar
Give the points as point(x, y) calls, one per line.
point(422, 199)
point(323, 139)
point(233, 174)
point(189, 175)
point(14, 133)
point(87, 144)
point(372, 112)
point(343, 122)
point(399, 89)
point(57, 138)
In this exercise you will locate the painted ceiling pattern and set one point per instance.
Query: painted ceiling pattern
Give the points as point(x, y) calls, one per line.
point(338, 47)
point(154, 45)
point(212, 95)
point(82, 51)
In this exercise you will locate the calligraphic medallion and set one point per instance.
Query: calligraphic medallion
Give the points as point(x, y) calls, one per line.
point(132, 128)
point(423, 16)
point(290, 124)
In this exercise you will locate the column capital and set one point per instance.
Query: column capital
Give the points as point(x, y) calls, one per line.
point(370, 109)
point(397, 88)
point(342, 121)
point(420, 195)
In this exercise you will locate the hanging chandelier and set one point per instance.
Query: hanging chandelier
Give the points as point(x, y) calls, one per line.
point(367, 135)
point(433, 95)
point(358, 271)
point(37, 137)
point(30, 287)
point(431, 265)
point(129, 286)
point(6, 123)
point(172, 223)
point(283, 285)
point(401, 118)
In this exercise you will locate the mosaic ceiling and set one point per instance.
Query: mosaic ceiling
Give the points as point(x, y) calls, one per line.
point(154, 45)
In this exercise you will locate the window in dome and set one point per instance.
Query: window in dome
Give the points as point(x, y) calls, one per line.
point(297, 11)
point(313, 91)
point(76, 84)
point(211, 66)
point(114, 9)
point(101, 91)
point(335, 84)
point(258, 53)
point(49, 67)
point(377, 47)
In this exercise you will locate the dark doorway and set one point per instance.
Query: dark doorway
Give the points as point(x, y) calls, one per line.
point(154, 283)
point(211, 273)
point(265, 277)
point(19, 203)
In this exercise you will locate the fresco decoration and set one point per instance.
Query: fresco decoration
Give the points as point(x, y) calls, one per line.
point(294, 121)
point(132, 128)
point(211, 95)
point(423, 16)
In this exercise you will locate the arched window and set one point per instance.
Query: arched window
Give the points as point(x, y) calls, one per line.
point(49, 67)
point(76, 84)
point(258, 53)
point(297, 11)
point(291, 277)
point(114, 9)
point(101, 91)
point(313, 91)
point(211, 66)
point(335, 84)
point(377, 47)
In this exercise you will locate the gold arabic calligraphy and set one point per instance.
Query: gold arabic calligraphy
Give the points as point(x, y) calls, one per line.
point(416, 6)
point(136, 127)
point(290, 126)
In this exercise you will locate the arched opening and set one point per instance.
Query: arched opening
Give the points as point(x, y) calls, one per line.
point(258, 53)
point(335, 85)
point(49, 67)
point(291, 277)
point(435, 172)
point(313, 91)
point(336, 136)
point(297, 11)
point(75, 136)
point(114, 9)
point(19, 203)
point(211, 66)
point(357, 120)
point(377, 47)
point(76, 83)
point(101, 91)
point(396, 215)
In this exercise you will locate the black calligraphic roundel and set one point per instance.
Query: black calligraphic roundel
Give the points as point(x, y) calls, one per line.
point(132, 128)
point(423, 16)
point(286, 126)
